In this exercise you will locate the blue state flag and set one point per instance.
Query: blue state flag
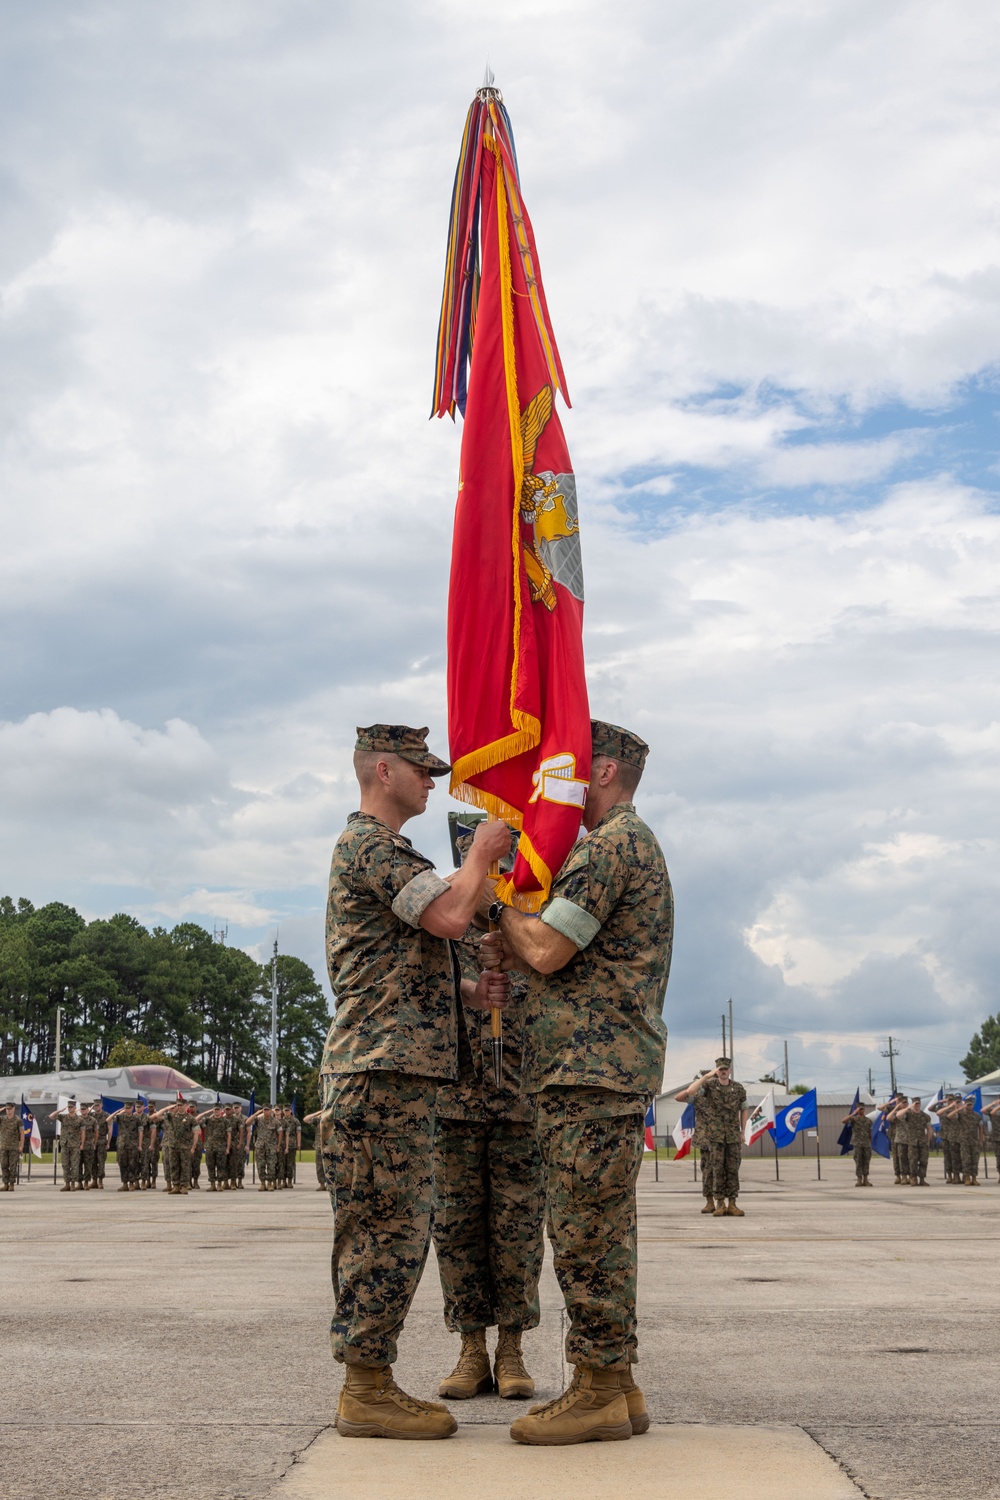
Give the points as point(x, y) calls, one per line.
point(845, 1139)
point(976, 1096)
point(800, 1115)
point(881, 1144)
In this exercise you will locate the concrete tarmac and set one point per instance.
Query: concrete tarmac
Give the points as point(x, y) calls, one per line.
point(161, 1348)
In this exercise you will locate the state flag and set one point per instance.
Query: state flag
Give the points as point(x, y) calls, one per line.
point(801, 1115)
point(845, 1139)
point(761, 1119)
point(683, 1132)
point(650, 1124)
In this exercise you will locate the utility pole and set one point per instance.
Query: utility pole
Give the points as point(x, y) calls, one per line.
point(59, 1011)
point(892, 1054)
point(274, 1025)
point(787, 1089)
point(732, 1050)
point(870, 1088)
point(724, 1052)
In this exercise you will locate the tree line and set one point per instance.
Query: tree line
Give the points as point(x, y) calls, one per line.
point(123, 987)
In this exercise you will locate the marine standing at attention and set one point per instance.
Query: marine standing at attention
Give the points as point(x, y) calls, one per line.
point(703, 1146)
point(393, 1041)
point(724, 1116)
point(71, 1132)
point(598, 961)
point(861, 1141)
point(11, 1144)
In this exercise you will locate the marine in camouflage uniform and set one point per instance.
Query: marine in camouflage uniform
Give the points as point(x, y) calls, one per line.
point(393, 1041)
point(71, 1133)
point(87, 1144)
point(236, 1159)
point(315, 1119)
point(99, 1119)
point(11, 1145)
point(900, 1162)
point(970, 1136)
point(593, 1058)
point(489, 1200)
point(265, 1146)
point(178, 1137)
point(293, 1145)
point(215, 1125)
point(127, 1150)
point(723, 1102)
point(918, 1124)
point(150, 1156)
point(861, 1144)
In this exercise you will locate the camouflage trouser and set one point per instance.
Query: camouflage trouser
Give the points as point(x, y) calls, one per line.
point(100, 1157)
point(128, 1162)
point(970, 1158)
point(176, 1165)
point(705, 1152)
point(290, 1166)
point(196, 1157)
point(862, 1160)
point(378, 1140)
point(489, 1203)
point(726, 1158)
point(320, 1174)
point(147, 1164)
point(899, 1162)
point(70, 1163)
point(234, 1163)
point(265, 1157)
point(86, 1164)
point(917, 1156)
point(215, 1162)
point(952, 1158)
point(8, 1165)
point(592, 1164)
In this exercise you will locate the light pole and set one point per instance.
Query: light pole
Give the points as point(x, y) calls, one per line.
point(274, 1025)
point(59, 1011)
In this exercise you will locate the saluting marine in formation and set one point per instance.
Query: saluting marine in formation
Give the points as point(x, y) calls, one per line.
point(861, 1143)
point(912, 1141)
point(720, 1116)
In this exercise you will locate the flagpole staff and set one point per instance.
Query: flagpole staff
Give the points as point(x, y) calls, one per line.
point(496, 1015)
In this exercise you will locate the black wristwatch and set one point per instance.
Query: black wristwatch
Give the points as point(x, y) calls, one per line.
point(495, 912)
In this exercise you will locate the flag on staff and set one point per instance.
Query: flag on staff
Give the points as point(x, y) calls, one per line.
point(881, 1143)
point(683, 1132)
point(294, 1110)
point(931, 1106)
point(977, 1099)
point(252, 1105)
point(650, 1124)
point(845, 1139)
point(518, 715)
point(795, 1117)
point(761, 1120)
point(31, 1129)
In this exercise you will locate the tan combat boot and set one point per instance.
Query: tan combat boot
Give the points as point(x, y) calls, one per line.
point(709, 1206)
point(472, 1375)
point(593, 1409)
point(635, 1401)
point(372, 1405)
point(733, 1211)
point(513, 1381)
point(720, 1208)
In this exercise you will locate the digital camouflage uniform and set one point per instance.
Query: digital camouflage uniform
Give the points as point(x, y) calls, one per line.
point(129, 1126)
point(236, 1162)
point(861, 1140)
point(952, 1147)
point(216, 1129)
point(917, 1123)
point(69, 1147)
point(10, 1145)
point(88, 1141)
point(593, 1057)
point(197, 1154)
point(99, 1120)
point(178, 1131)
point(489, 1194)
point(393, 1040)
point(265, 1147)
point(149, 1156)
point(704, 1149)
point(969, 1126)
point(722, 1107)
point(292, 1142)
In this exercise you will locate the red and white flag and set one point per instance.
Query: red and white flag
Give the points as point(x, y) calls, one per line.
point(683, 1132)
point(518, 717)
point(761, 1120)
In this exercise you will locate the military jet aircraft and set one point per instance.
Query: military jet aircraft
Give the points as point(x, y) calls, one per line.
point(153, 1081)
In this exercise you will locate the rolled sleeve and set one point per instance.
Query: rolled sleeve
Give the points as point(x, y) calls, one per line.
point(580, 926)
point(417, 895)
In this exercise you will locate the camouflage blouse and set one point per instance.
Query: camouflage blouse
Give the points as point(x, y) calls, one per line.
point(597, 1022)
point(396, 986)
point(475, 1095)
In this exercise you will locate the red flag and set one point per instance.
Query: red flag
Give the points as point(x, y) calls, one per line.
point(518, 716)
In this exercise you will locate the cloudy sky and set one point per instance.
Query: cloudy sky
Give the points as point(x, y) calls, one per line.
point(771, 241)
